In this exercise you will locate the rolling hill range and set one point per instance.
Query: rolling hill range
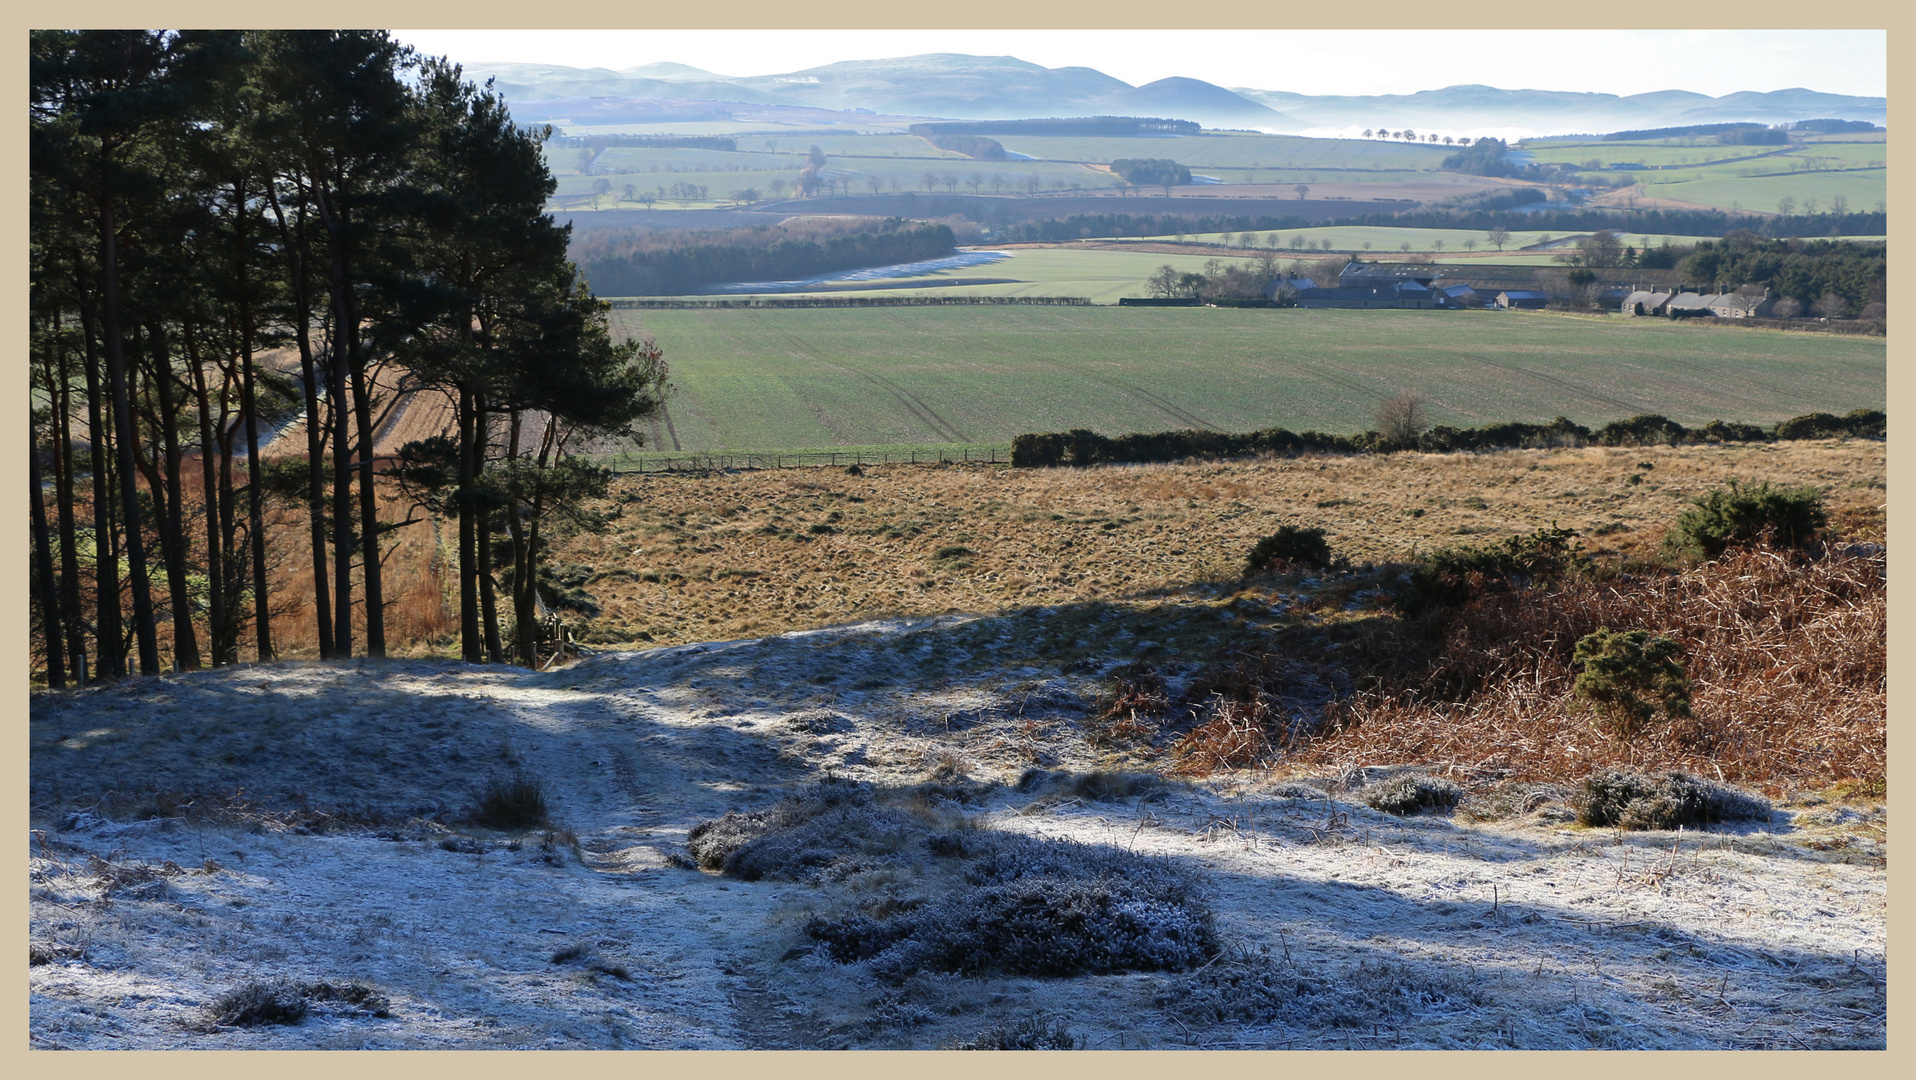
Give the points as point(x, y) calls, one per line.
point(1548, 111)
point(1002, 87)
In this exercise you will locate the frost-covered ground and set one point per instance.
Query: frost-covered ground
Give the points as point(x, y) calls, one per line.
point(307, 823)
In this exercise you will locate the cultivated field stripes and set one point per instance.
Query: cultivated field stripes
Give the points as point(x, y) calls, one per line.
point(780, 379)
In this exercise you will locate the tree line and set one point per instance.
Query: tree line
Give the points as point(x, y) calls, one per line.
point(972, 146)
point(372, 224)
point(1106, 126)
point(1830, 277)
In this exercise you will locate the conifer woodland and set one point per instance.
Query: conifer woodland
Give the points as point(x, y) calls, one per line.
point(242, 235)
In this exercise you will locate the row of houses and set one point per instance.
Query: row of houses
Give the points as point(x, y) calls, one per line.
point(1377, 285)
point(1370, 285)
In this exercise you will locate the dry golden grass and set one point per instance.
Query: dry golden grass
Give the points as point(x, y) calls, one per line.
point(416, 577)
point(693, 558)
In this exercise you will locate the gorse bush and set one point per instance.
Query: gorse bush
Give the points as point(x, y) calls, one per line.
point(1738, 516)
point(1648, 429)
point(1081, 446)
point(1629, 677)
point(1289, 545)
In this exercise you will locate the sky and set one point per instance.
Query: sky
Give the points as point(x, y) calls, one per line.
point(1714, 62)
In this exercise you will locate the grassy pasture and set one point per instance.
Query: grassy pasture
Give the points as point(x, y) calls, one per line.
point(1747, 177)
point(908, 172)
point(1287, 177)
point(1240, 151)
point(768, 379)
point(1658, 152)
point(1386, 239)
point(1864, 190)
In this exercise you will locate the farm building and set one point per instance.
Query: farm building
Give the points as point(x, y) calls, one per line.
point(1371, 275)
point(1689, 303)
point(1734, 305)
point(1645, 302)
point(1738, 305)
point(1521, 298)
point(1288, 283)
point(1401, 294)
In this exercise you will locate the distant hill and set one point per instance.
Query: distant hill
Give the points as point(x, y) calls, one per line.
point(1556, 112)
point(945, 85)
point(962, 87)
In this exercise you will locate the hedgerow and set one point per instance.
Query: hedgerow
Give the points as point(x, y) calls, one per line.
point(1081, 446)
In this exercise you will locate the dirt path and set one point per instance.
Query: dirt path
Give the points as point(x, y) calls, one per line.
point(1407, 932)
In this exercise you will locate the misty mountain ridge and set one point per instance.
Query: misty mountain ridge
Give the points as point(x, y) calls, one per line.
point(964, 87)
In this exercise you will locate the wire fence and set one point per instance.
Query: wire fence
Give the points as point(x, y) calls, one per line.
point(985, 454)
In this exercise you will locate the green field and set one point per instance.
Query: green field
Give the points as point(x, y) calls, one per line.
point(769, 379)
point(1384, 239)
point(1240, 151)
point(1866, 190)
point(993, 178)
point(1742, 177)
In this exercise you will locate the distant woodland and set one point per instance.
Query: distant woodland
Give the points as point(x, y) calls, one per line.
point(639, 262)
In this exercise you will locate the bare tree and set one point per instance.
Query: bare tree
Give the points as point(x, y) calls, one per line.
point(1302, 190)
point(1402, 417)
point(1499, 236)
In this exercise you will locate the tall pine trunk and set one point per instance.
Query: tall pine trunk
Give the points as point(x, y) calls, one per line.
point(44, 592)
point(315, 432)
point(488, 602)
point(232, 574)
point(186, 648)
point(255, 515)
point(525, 596)
point(108, 634)
point(123, 436)
point(369, 567)
point(219, 617)
point(469, 643)
point(63, 497)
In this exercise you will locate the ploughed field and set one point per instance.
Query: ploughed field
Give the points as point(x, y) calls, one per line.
point(769, 379)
